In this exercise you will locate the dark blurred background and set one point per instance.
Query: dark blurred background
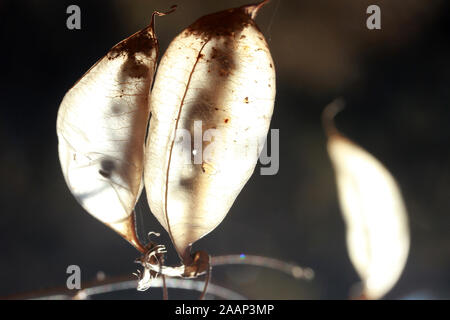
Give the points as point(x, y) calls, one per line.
point(396, 84)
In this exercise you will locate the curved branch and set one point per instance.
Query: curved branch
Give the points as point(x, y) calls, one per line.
point(291, 269)
point(122, 285)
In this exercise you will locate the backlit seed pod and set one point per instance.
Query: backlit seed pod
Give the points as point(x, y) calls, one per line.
point(374, 212)
point(101, 129)
point(211, 105)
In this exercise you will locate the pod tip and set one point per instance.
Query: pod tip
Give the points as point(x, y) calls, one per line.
point(253, 9)
point(160, 14)
point(328, 114)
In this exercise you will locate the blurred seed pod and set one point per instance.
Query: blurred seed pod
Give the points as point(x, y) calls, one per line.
point(372, 206)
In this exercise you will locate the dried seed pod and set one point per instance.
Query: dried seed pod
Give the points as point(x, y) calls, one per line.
point(216, 82)
point(373, 209)
point(101, 129)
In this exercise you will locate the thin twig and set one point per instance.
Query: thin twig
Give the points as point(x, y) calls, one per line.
point(207, 279)
point(289, 268)
point(271, 263)
point(164, 287)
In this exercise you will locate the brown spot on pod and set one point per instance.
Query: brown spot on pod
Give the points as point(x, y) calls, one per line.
point(225, 60)
point(225, 23)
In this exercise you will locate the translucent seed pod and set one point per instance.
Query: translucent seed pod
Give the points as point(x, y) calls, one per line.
point(211, 105)
point(101, 127)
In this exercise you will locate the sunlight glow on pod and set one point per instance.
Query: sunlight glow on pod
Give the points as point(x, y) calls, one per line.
point(373, 209)
point(101, 128)
point(218, 73)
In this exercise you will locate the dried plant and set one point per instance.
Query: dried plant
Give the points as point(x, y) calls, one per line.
point(216, 82)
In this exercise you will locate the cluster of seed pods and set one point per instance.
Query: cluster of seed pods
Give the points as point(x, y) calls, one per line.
point(118, 134)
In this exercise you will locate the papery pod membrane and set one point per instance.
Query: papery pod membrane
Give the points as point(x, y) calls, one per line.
point(101, 129)
point(374, 212)
point(216, 81)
